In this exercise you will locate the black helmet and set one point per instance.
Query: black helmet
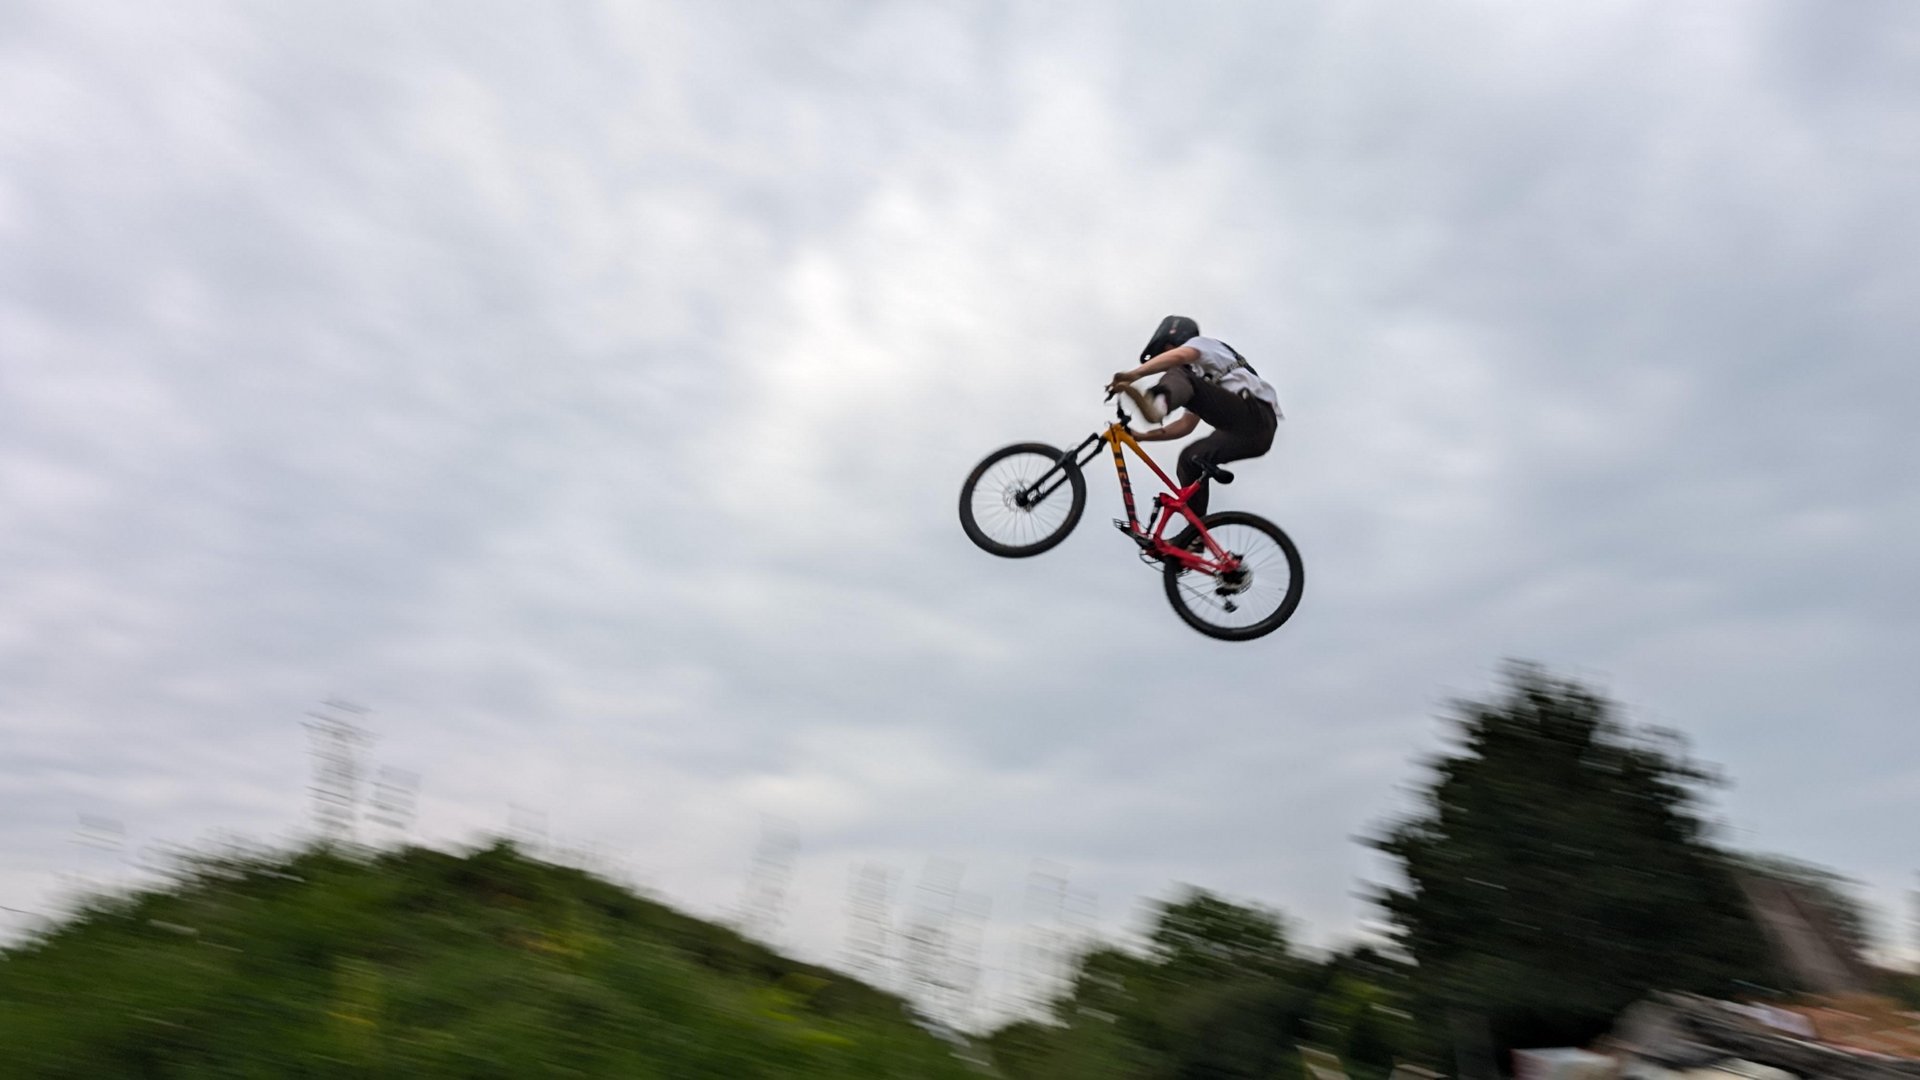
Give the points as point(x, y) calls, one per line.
point(1174, 331)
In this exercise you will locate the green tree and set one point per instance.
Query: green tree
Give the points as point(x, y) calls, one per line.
point(1204, 936)
point(1558, 869)
point(1358, 1011)
point(1217, 994)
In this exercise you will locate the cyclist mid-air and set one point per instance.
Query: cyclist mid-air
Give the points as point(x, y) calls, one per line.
point(1232, 575)
point(1212, 382)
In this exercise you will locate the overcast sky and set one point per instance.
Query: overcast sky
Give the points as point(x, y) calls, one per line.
point(586, 390)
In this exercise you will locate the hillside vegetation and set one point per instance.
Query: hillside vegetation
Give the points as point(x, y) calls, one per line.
point(1556, 866)
point(421, 963)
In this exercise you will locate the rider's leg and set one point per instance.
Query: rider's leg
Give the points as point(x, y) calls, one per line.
point(1243, 427)
point(1175, 388)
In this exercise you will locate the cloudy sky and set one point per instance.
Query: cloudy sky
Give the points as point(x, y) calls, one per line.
point(586, 390)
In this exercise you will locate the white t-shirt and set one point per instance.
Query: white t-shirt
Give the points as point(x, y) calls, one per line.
point(1218, 365)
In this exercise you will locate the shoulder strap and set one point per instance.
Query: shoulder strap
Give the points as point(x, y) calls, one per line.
point(1238, 360)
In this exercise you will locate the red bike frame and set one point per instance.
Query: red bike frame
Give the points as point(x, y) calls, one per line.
point(1214, 560)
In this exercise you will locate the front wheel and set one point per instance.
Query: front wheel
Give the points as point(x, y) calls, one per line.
point(1246, 603)
point(1022, 500)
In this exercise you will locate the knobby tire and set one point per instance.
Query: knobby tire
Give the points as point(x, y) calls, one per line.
point(1194, 594)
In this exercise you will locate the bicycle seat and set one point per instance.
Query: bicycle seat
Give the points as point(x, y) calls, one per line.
point(1208, 468)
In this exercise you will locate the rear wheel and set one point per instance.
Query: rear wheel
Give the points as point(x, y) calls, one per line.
point(1022, 500)
point(1246, 603)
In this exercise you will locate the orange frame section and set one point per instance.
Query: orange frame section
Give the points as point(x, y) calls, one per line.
point(1117, 436)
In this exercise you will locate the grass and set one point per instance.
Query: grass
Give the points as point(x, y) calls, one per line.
point(422, 963)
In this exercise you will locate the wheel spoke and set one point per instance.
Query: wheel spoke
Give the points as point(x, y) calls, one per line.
point(993, 515)
point(1266, 594)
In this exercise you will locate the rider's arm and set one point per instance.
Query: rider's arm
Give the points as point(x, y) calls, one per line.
point(1176, 430)
point(1168, 359)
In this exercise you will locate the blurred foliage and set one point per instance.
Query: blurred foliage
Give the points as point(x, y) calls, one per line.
point(1203, 936)
point(421, 963)
point(1217, 994)
point(1558, 869)
point(1359, 1011)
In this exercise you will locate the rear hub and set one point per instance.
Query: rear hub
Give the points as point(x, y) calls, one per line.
point(1233, 582)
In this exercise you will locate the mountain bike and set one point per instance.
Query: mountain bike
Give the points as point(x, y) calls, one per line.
point(1231, 575)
